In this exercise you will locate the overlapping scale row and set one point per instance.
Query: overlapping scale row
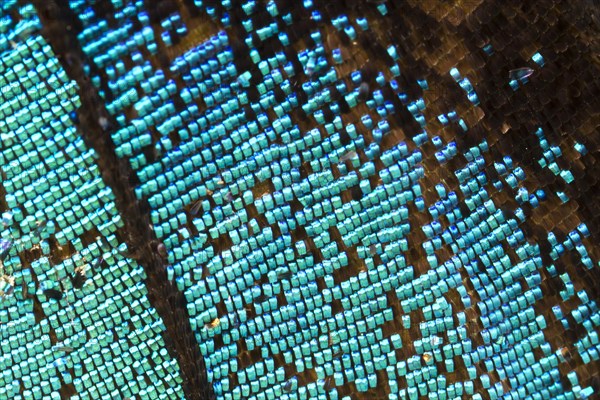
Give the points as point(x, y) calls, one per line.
point(75, 320)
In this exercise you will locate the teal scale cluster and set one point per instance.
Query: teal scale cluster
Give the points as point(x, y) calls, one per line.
point(254, 182)
point(97, 335)
point(269, 294)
